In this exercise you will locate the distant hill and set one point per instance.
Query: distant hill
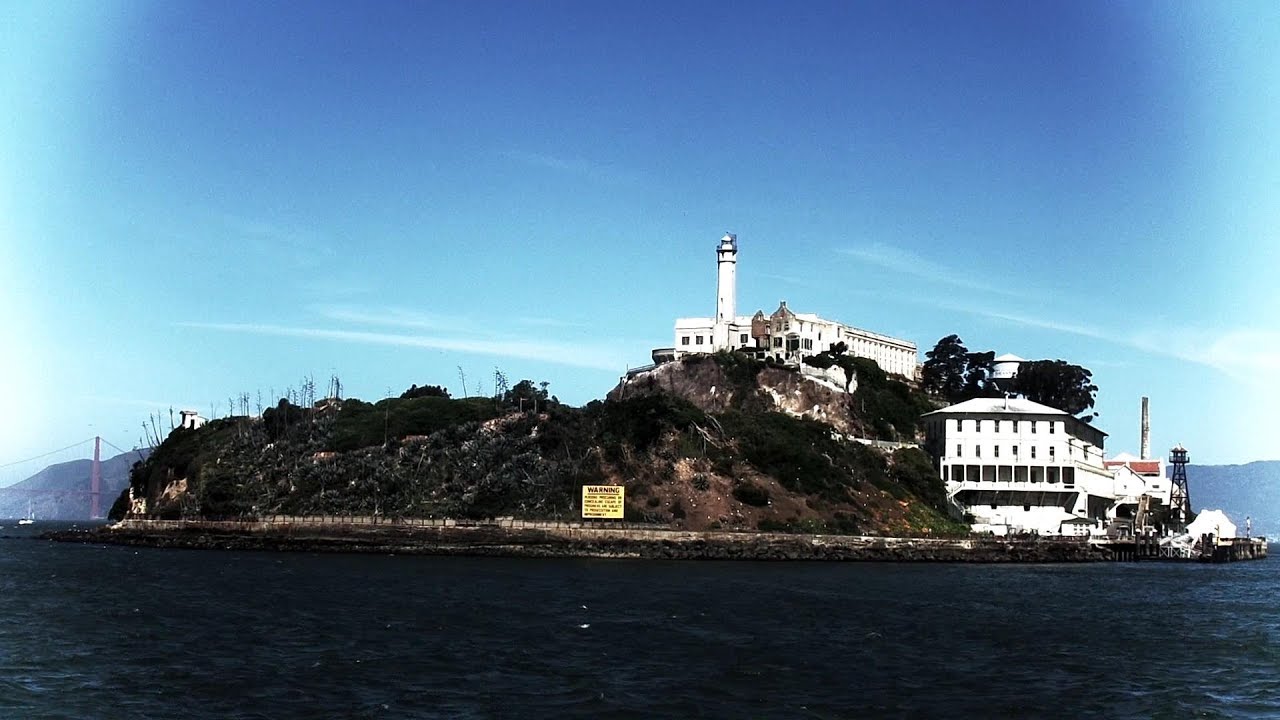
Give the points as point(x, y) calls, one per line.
point(1240, 491)
point(60, 492)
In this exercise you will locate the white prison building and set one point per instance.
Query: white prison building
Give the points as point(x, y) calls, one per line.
point(786, 335)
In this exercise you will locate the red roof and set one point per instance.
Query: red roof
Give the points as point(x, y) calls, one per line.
point(1142, 467)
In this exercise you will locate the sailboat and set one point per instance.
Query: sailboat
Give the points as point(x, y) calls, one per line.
point(31, 516)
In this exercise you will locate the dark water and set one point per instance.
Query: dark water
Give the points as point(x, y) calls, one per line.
point(108, 632)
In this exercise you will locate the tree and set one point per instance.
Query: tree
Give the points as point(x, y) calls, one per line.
point(977, 375)
point(425, 391)
point(524, 395)
point(944, 372)
point(1058, 384)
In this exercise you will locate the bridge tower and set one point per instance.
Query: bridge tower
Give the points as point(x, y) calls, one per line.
point(95, 481)
point(1179, 495)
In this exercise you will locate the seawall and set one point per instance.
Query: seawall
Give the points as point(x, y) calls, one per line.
point(574, 540)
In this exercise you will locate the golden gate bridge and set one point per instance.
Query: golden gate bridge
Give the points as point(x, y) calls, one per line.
point(20, 479)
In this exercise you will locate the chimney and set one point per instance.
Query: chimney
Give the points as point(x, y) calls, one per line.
point(1145, 452)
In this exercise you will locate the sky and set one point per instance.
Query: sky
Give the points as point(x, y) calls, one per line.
point(203, 199)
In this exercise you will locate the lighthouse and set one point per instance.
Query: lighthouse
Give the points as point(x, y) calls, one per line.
point(784, 336)
point(726, 289)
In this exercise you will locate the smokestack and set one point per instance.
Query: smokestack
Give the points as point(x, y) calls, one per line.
point(1146, 431)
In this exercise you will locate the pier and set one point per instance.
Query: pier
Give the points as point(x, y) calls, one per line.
point(1207, 549)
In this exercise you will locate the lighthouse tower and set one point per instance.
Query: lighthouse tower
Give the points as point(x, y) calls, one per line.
point(726, 289)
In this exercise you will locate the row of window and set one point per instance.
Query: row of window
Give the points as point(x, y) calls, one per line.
point(792, 345)
point(977, 451)
point(743, 339)
point(1010, 473)
point(998, 425)
point(1010, 425)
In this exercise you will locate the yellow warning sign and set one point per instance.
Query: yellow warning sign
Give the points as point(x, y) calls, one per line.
point(603, 501)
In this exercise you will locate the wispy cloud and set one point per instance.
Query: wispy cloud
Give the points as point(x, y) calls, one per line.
point(1038, 323)
point(273, 238)
point(419, 320)
point(395, 317)
point(549, 322)
point(1247, 355)
point(909, 263)
point(790, 279)
point(570, 164)
point(141, 403)
point(553, 162)
point(570, 354)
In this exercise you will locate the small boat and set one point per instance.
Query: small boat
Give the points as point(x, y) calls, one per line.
point(30, 518)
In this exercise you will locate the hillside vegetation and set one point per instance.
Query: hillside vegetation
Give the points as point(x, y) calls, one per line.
point(717, 442)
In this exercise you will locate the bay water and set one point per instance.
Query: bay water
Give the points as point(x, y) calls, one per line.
point(92, 631)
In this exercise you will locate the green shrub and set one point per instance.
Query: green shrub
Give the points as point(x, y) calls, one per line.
point(281, 419)
point(798, 452)
point(425, 391)
point(913, 471)
point(739, 369)
point(822, 361)
point(888, 406)
point(749, 493)
point(360, 424)
point(639, 422)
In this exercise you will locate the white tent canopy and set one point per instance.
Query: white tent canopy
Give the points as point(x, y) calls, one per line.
point(1214, 522)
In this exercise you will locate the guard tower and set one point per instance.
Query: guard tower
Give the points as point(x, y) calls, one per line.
point(1179, 495)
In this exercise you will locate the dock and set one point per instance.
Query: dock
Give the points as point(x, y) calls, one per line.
point(1207, 549)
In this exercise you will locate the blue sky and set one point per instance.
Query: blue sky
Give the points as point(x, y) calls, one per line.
point(204, 199)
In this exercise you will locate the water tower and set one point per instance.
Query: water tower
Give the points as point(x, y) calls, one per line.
point(1179, 495)
point(1003, 371)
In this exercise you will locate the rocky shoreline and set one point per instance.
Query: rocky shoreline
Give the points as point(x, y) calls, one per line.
point(584, 543)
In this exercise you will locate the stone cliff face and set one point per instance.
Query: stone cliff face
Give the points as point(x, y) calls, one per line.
point(713, 389)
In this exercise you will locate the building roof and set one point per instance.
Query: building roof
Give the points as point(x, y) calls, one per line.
point(1141, 467)
point(999, 406)
point(1007, 406)
point(1009, 357)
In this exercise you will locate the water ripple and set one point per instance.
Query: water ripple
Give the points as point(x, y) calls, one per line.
point(93, 632)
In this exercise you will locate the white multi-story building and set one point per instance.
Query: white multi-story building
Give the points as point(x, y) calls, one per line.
point(786, 335)
point(1019, 466)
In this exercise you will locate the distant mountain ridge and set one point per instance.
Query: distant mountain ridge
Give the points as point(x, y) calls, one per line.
point(1249, 490)
point(61, 491)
